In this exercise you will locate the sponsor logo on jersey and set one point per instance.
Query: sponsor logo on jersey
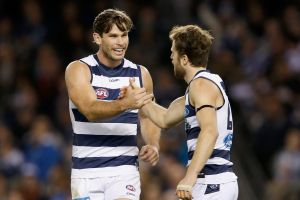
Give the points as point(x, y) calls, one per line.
point(130, 187)
point(113, 79)
point(101, 93)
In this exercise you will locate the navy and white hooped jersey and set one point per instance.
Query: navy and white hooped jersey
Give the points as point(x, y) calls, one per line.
point(218, 168)
point(106, 147)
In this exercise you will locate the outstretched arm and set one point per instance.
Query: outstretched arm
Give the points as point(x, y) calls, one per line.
point(82, 94)
point(165, 118)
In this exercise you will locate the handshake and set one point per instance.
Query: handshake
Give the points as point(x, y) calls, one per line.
point(134, 97)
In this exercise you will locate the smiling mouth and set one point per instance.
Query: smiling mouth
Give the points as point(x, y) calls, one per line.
point(119, 50)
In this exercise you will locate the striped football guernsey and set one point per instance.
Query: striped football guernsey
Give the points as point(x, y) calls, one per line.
point(106, 147)
point(218, 168)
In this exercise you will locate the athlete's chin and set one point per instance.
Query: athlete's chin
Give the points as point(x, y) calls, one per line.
point(118, 57)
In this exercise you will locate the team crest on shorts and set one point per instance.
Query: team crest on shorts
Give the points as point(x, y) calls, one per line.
point(102, 93)
point(130, 187)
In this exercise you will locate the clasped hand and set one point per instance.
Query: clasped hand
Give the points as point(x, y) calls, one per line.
point(149, 153)
point(133, 96)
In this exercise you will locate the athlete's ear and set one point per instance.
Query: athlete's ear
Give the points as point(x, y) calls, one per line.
point(97, 38)
point(184, 60)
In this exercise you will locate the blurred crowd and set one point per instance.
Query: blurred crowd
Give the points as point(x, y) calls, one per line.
point(256, 50)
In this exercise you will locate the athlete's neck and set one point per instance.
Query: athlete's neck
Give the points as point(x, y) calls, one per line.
point(191, 72)
point(107, 61)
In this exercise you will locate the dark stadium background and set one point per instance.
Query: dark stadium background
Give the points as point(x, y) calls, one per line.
point(256, 50)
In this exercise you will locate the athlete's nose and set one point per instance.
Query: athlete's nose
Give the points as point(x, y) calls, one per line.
point(120, 41)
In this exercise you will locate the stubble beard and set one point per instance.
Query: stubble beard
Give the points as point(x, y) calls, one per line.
point(179, 73)
point(109, 55)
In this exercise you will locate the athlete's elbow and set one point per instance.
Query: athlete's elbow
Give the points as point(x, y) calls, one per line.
point(88, 114)
point(163, 122)
point(166, 125)
point(163, 126)
point(159, 124)
point(170, 122)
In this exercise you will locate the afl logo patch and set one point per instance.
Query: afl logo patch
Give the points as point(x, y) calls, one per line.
point(130, 187)
point(101, 93)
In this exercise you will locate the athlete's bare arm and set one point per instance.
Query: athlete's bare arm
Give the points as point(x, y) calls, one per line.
point(166, 118)
point(207, 119)
point(82, 94)
point(149, 131)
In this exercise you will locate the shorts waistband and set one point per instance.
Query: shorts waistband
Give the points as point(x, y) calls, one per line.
point(217, 170)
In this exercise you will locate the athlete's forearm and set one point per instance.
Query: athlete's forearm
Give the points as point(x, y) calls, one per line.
point(156, 113)
point(165, 118)
point(204, 148)
point(98, 110)
point(150, 132)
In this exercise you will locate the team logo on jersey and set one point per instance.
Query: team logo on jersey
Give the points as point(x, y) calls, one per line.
point(101, 93)
point(228, 140)
point(186, 112)
point(130, 187)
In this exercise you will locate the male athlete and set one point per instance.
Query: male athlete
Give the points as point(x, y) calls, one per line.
point(105, 148)
point(207, 114)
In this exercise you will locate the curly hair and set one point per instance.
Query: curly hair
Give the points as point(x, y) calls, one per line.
point(106, 19)
point(193, 41)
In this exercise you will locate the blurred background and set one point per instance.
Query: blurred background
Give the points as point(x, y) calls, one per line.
point(256, 50)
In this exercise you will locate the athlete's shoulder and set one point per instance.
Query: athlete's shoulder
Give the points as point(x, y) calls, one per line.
point(144, 69)
point(202, 84)
point(77, 69)
point(76, 65)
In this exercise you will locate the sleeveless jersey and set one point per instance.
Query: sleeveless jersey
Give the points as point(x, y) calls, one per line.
point(218, 168)
point(106, 147)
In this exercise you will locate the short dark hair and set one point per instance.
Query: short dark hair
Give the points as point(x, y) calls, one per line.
point(193, 41)
point(106, 19)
